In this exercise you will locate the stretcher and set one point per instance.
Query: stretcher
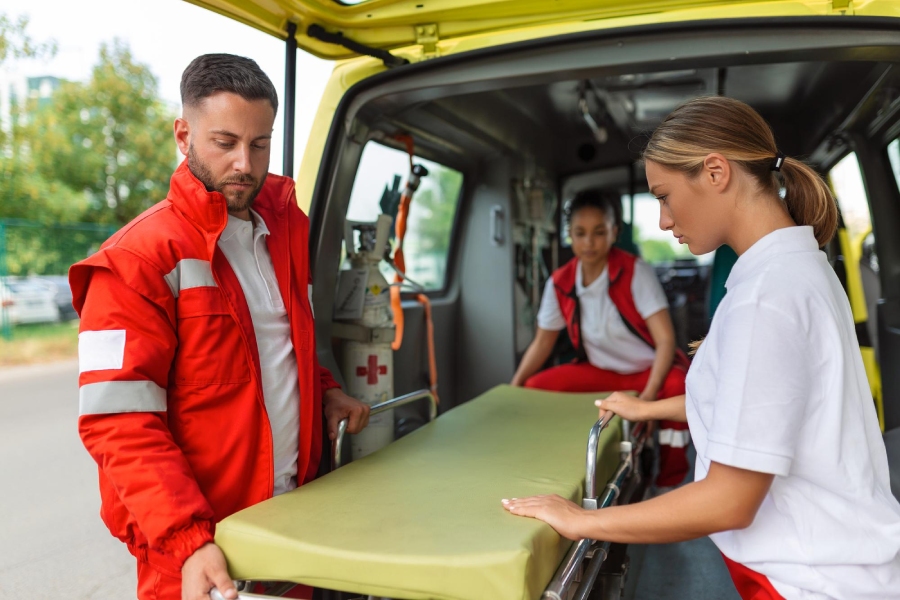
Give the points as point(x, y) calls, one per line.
point(422, 519)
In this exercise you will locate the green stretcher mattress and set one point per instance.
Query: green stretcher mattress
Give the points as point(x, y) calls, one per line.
point(421, 518)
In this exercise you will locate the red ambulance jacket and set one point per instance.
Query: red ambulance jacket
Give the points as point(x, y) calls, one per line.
point(170, 392)
point(620, 267)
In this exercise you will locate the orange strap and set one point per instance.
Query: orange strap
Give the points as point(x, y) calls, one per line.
point(400, 233)
point(396, 306)
point(432, 362)
point(400, 262)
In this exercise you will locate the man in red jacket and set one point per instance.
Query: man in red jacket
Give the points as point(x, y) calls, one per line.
point(199, 392)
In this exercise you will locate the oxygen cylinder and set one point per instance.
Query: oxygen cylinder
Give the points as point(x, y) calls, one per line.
point(368, 367)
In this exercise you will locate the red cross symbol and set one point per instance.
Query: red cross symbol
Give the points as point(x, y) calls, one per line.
point(373, 370)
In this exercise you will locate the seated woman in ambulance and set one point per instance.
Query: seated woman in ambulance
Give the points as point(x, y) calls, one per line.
point(617, 318)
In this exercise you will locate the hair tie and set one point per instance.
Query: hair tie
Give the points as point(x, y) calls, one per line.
point(779, 161)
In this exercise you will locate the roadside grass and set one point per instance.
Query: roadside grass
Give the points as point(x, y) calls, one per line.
point(45, 342)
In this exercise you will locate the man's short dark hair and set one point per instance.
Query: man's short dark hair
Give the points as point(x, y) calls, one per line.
point(212, 73)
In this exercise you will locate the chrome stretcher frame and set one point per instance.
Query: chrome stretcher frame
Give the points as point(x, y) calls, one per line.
point(585, 558)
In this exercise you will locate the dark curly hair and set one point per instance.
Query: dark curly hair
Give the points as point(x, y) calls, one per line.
point(607, 201)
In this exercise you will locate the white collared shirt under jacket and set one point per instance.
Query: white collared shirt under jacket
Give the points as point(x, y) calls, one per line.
point(778, 386)
point(244, 245)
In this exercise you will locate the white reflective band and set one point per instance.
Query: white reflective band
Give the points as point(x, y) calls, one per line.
point(675, 438)
point(110, 397)
point(190, 273)
point(311, 309)
point(101, 350)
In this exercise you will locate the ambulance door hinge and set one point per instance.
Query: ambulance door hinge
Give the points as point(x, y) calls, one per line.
point(841, 6)
point(427, 37)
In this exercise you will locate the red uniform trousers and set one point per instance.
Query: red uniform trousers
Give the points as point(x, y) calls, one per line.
point(585, 377)
point(750, 584)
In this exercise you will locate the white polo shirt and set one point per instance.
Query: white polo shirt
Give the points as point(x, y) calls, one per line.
point(778, 386)
point(608, 342)
point(245, 248)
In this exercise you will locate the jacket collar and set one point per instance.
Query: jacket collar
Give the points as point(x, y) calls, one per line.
point(208, 210)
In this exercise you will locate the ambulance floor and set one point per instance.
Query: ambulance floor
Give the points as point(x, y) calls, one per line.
point(675, 571)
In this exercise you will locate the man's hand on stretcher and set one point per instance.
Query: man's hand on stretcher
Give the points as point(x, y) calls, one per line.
point(338, 406)
point(204, 570)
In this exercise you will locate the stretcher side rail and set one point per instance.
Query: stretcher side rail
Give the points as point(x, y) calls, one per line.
point(597, 551)
point(337, 446)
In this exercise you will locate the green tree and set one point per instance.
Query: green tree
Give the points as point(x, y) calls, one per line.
point(109, 138)
point(16, 43)
point(24, 193)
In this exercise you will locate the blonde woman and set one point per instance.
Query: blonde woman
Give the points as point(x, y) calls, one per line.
point(791, 477)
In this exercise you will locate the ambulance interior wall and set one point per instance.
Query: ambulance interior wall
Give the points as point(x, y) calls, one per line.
point(486, 338)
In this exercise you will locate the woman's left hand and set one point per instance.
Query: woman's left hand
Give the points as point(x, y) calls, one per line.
point(561, 514)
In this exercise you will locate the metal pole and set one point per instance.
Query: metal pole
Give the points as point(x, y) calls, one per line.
point(290, 98)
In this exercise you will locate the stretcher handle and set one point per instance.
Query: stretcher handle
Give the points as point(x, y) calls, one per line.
point(558, 588)
point(337, 445)
point(215, 594)
point(590, 471)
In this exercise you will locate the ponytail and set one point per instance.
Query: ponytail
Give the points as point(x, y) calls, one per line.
point(721, 124)
point(808, 200)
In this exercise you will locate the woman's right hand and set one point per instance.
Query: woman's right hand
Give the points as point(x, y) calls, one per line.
point(626, 406)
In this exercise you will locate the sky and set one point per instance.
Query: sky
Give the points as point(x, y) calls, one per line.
point(166, 35)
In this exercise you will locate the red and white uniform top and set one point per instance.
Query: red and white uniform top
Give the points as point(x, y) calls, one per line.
point(608, 343)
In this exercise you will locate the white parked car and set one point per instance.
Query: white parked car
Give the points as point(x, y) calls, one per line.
point(28, 301)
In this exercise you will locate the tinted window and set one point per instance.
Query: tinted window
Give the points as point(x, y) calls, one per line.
point(847, 183)
point(431, 214)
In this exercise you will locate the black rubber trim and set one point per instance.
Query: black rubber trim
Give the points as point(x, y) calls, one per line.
point(317, 32)
point(862, 335)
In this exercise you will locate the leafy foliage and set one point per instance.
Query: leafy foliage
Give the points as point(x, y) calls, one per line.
point(100, 152)
point(16, 43)
point(110, 138)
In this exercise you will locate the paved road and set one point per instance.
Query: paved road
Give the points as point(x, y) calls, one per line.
point(52, 542)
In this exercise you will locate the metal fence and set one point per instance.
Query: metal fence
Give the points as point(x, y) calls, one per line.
point(30, 248)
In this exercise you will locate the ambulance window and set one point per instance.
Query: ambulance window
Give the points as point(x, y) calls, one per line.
point(380, 180)
point(847, 183)
point(652, 244)
point(894, 154)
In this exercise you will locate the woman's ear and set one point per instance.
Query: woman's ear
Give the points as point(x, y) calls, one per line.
point(716, 171)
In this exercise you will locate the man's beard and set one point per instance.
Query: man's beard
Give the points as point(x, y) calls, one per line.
point(237, 200)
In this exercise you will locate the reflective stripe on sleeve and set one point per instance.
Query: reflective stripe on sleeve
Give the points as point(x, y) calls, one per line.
point(311, 309)
point(190, 273)
point(675, 438)
point(110, 397)
point(101, 350)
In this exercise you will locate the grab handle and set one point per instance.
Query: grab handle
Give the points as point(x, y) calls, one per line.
point(337, 445)
point(496, 225)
